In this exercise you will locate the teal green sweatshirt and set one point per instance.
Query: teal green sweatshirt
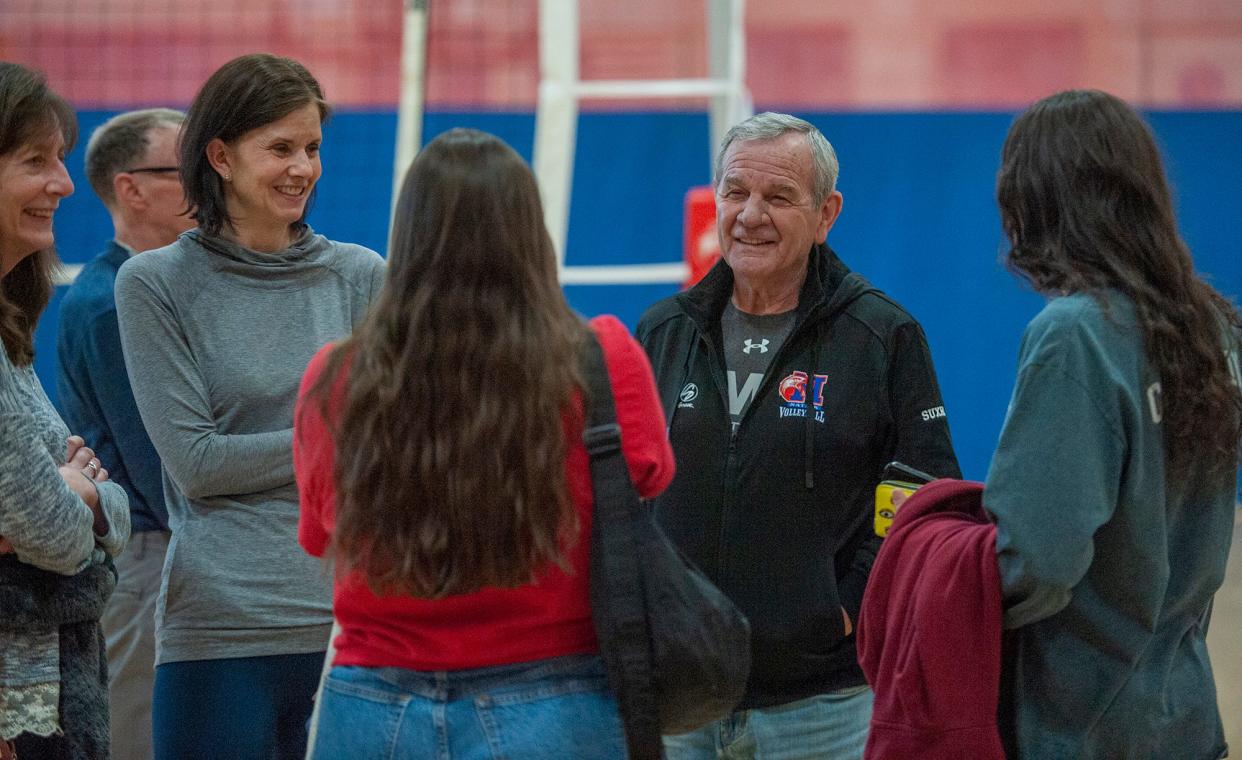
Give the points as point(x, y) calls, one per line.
point(1107, 569)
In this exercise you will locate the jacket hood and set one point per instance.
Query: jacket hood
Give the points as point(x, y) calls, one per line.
point(829, 287)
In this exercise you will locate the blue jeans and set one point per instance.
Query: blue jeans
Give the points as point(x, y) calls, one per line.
point(829, 726)
point(242, 708)
point(555, 708)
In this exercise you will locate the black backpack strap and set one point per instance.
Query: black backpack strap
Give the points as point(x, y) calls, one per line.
point(617, 597)
point(602, 434)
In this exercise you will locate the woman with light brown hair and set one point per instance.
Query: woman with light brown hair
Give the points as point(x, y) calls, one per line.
point(440, 463)
point(61, 519)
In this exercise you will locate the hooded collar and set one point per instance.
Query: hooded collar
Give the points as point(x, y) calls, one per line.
point(829, 287)
point(278, 269)
point(306, 246)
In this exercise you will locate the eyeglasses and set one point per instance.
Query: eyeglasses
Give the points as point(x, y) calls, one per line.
point(154, 170)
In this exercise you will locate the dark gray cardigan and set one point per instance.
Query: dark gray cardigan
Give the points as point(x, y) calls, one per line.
point(33, 599)
point(53, 678)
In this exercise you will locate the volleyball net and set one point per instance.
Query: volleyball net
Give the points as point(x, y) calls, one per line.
point(636, 158)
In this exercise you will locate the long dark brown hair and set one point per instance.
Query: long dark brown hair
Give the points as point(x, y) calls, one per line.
point(1086, 207)
point(29, 111)
point(451, 440)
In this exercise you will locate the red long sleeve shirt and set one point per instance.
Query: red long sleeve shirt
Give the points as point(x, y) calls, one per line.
point(547, 618)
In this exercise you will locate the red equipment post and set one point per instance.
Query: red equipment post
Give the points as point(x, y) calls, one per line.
point(701, 245)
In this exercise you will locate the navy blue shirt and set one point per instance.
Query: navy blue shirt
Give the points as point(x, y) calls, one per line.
point(95, 398)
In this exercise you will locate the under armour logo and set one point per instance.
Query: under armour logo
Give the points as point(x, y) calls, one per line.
point(761, 345)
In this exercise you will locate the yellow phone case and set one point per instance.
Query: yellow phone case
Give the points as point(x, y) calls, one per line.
point(884, 509)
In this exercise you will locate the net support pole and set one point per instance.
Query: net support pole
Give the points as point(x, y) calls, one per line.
point(556, 120)
point(413, 82)
point(726, 62)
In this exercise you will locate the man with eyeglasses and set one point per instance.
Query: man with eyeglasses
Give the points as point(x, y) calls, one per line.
point(131, 162)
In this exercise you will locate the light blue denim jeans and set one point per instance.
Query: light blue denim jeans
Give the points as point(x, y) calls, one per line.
point(829, 726)
point(556, 708)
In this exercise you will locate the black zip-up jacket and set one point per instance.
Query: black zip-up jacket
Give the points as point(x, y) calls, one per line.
point(780, 514)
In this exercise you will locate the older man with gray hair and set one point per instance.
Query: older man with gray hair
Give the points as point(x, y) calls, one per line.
point(131, 162)
point(789, 383)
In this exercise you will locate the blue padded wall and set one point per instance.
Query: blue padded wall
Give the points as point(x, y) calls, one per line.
point(919, 220)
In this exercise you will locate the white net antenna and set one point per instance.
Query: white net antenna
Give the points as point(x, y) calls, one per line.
point(413, 90)
point(556, 118)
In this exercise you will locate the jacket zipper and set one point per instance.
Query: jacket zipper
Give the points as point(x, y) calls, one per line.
point(716, 360)
point(729, 501)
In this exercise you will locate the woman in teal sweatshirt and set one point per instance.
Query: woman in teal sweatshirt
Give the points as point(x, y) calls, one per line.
point(1114, 482)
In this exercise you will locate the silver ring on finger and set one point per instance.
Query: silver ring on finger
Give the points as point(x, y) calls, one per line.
point(93, 466)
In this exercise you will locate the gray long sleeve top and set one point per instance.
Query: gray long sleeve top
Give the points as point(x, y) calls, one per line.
point(216, 338)
point(47, 524)
point(50, 528)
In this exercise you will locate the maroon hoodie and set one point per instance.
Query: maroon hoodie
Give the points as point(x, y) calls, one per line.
point(929, 633)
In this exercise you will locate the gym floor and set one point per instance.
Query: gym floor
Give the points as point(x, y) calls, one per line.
point(1225, 643)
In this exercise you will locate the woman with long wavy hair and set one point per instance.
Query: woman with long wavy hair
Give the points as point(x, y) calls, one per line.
point(61, 518)
point(439, 457)
point(1114, 483)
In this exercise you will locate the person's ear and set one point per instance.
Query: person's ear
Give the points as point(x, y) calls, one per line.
point(127, 192)
point(220, 156)
point(829, 210)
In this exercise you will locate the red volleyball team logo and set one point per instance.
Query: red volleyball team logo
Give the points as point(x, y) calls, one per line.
point(793, 388)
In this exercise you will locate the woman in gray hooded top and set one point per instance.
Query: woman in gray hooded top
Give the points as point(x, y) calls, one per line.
point(217, 329)
point(61, 519)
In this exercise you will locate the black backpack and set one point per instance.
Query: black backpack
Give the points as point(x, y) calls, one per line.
point(677, 651)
